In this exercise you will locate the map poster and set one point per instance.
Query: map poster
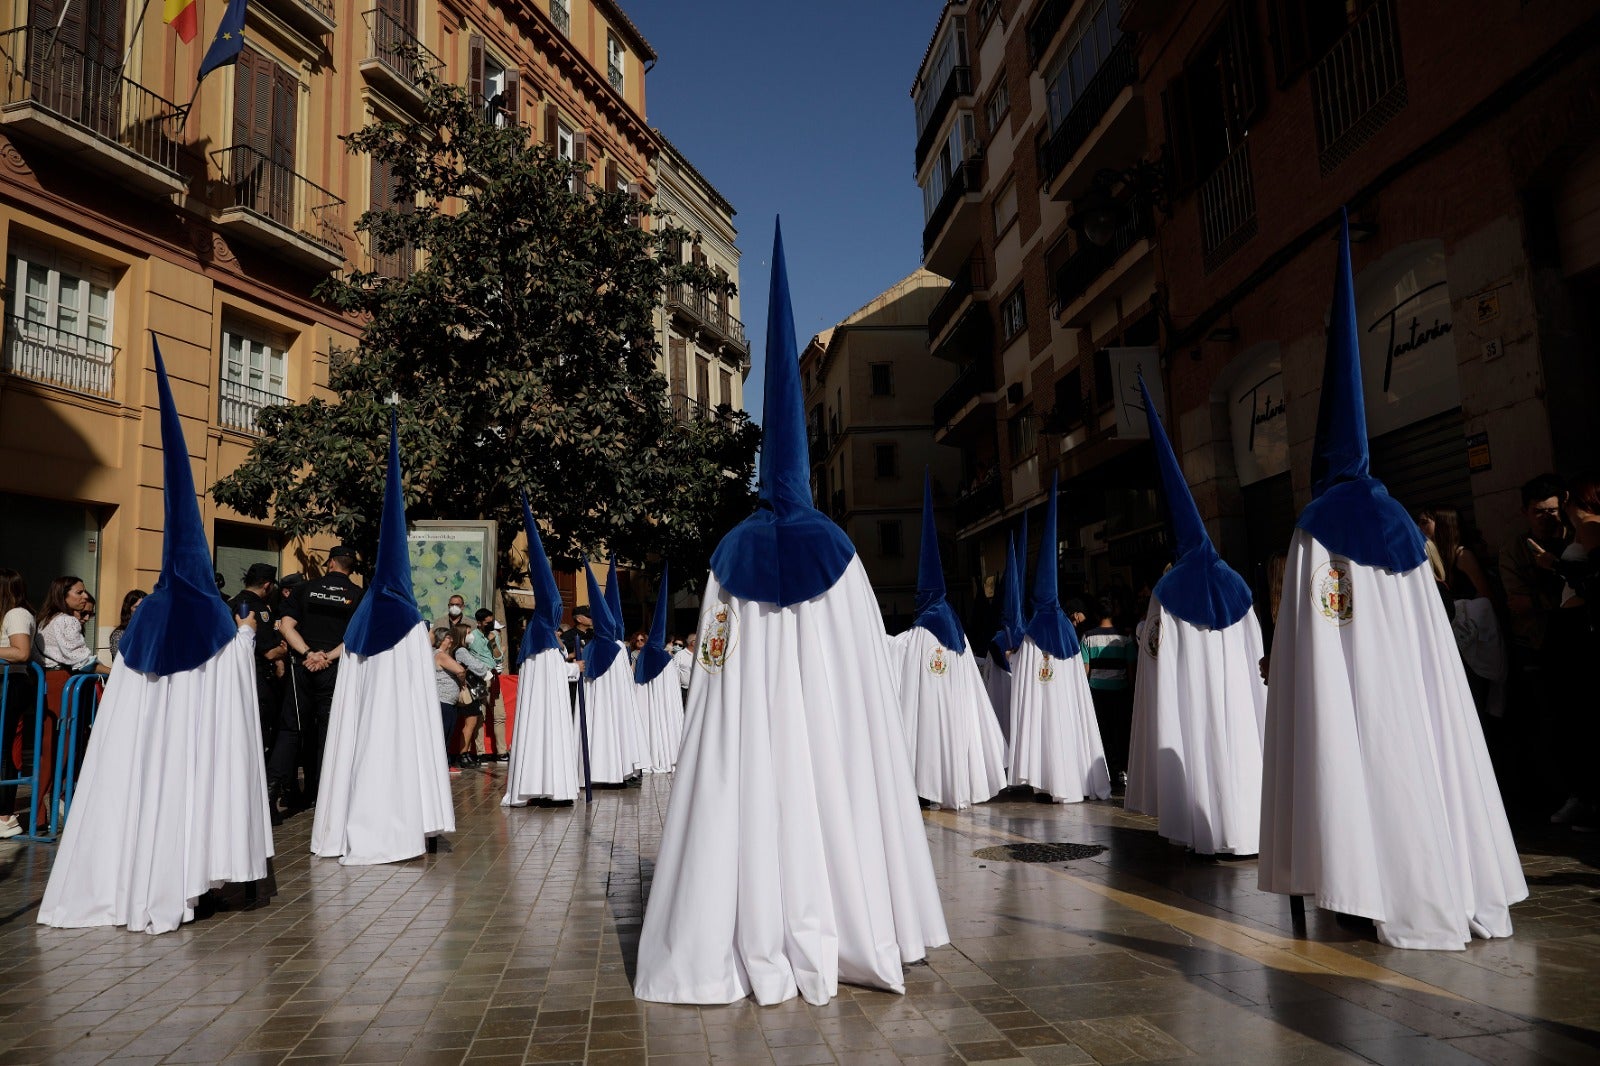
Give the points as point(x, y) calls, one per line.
point(450, 559)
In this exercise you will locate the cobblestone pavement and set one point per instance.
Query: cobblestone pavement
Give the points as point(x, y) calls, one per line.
point(514, 943)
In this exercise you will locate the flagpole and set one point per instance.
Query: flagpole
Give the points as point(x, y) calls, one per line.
point(55, 33)
point(134, 36)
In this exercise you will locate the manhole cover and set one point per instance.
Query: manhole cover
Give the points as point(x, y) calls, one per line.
point(1057, 852)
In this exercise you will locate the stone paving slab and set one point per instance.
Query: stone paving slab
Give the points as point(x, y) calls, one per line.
point(514, 945)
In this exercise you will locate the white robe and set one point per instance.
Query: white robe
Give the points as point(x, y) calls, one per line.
point(545, 761)
point(1199, 708)
point(617, 746)
point(385, 780)
point(997, 683)
point(661, 707)
point(958, 756)
point(172, 800)
point(1378, 797)
point(1055, 736)
point(793, 855)
point(683, 665)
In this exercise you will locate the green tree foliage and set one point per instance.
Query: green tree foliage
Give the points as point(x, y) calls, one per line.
point(521, 355)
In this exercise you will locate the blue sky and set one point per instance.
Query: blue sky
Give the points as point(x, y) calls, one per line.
point(801, 110)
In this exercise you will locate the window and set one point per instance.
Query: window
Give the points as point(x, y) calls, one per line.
point(616, 55)
point(998, 105)
point(561, 15)
point(254, 374)
point(1022, 435)
point(59, 330)
point(885, 461)
point(1209, 107)
point(1104, 392)
point(1303, 30)
point(882, 379)
point(1088, 44)
point(1069, 401)
point(1014, 313)
point(566, 143)
point(952, 53)
point(890, 544)
point(961, 145)
point(987, 11)
point(1005, 208)
point(492, 85)
point(725, 379)
point(266, 98)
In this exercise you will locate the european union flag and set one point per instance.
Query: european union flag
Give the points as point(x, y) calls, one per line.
point(229, 41)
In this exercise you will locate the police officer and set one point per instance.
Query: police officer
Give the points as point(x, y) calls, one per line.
point(257, 599)
point(313, 625)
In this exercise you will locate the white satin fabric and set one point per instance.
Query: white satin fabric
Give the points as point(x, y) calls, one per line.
point(793, 855)
point(1055, 737)
point(545, 760)
point(661, 707)
point(172, 799)
point(997, 683)
point(1199, 709)
point(618, 749)
point(958, 756)
point(385, 780)
point(1378, 796)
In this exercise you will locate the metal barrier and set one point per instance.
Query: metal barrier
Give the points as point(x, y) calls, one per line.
point(72, 700)
point(31, 779)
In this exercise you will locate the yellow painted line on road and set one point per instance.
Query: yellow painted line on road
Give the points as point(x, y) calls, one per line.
point(1269, 949)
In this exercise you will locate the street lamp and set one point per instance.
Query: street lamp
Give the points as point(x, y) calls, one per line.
point(1101, 212)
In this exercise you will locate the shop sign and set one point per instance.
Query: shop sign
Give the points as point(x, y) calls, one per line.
point(1126, 366)
point(1408, 351)
point(1258, 417)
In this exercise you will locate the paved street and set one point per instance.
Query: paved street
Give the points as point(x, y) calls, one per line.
point(514, 945)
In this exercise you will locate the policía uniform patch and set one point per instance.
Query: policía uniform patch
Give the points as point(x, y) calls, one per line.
point(718, 635)
point(1331, 587)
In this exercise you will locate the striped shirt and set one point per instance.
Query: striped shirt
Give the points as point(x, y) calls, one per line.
point(1109, 655)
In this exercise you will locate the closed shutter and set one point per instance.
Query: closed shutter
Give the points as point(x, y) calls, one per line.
point(403, 12)
point(102, 72)
point(56, 74)
point(1175, 113)
point(580, 148)
point(678, 376)
point(551, 123)
point(252, 101)
point(475, 70)
point(726, 381)
point(284, 105)
point(702, 379)
point(1425, 464)
point(513, 101)
point(612, 175)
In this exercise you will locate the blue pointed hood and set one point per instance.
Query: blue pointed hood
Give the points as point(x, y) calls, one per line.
point(544, 627)
point(1009, 636)
point(1351, 512)
point(183, 622)
point(603, 647)
point(787, 551)
point(1049, 626)
point(654, 656)
point(389, 610)
point(933, 611)
point(614, 597)
point(1200, 588)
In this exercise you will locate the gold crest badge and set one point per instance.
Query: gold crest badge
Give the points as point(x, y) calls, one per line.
point(1047, 672)
point(718, 635)
point(937, 664)
point(1333, 593)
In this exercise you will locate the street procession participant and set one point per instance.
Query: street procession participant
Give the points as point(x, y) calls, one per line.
point(385, 782)
point(172, 801)
point(793, 854)
point(616, 744)
point(1006, 640)
point(1199, 704)
point(660, 695)
point(1378, 796)
point(1055, 737)
point(958, 756)
point(544, 751)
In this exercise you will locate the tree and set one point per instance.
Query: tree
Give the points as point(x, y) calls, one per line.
point(520, 355)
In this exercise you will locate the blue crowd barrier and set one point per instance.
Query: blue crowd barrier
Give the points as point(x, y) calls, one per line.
point(10, 674)
point(79, 690)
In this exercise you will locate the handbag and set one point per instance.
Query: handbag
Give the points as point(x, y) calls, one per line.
point(464, 698)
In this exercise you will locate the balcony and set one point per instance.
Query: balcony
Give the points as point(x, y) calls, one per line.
point(686, 408)
point(238, 404)
point(315, 17)
point(1045, 25)
point(952, 228)
point(973, 389)
point(268, 204)
point(956, 86)
point(971, 283)
point(702, 311)
point(1106, 123)
point(1089, 261)
point(561, 15)
point(1227, 208)
point(111, 124)
point(43, 353)
point(396, 59)
point(982, 499)
point(1359, 85)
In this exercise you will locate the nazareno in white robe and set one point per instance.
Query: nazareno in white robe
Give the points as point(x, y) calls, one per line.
point(661, 707)
point(1378, 797)
point(793, 855)
point(958, 756)
point(617, 745)
point(1055, 736)
point(385, 780)
point(172, 800)
point(997, 683)
point(545, 760)
point(1199, 708)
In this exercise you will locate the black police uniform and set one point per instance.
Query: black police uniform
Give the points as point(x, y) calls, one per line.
point(321, 610)
point(269, 699)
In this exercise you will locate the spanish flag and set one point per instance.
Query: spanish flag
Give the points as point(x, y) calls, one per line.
point(182, 16)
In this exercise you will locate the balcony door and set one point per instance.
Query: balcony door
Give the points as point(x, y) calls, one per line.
point(265, 96)
point(76, 70)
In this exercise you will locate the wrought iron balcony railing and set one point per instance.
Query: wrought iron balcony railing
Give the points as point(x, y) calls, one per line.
point(983, 498)
point(1227, 207)
point(614, 75)
point(1117, 73)
point(392, 44)
point(704, 309)
point(972, 382)
point(1359, 85)
point(561, 15)
point(238, 404)
point(972, 277)
point(967, 179)
point(274, 191)
point(1085, 265)
point(39, 352)
point(41, 69)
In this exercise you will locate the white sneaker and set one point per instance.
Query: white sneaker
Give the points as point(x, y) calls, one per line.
point(9, 827)
point(1569, 810)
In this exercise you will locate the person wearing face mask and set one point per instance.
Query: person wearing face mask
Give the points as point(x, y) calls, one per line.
point(455, 614)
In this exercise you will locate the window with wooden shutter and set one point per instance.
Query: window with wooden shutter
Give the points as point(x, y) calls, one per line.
point(512, 106)
point(678, 376)
point(1209, 108)
point(475, 70)
point(552, 123)
point(1302, 30)
point(580, 148)
point(613, 175)
point(726, 381)
point(702, 381)
point(285, 100)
